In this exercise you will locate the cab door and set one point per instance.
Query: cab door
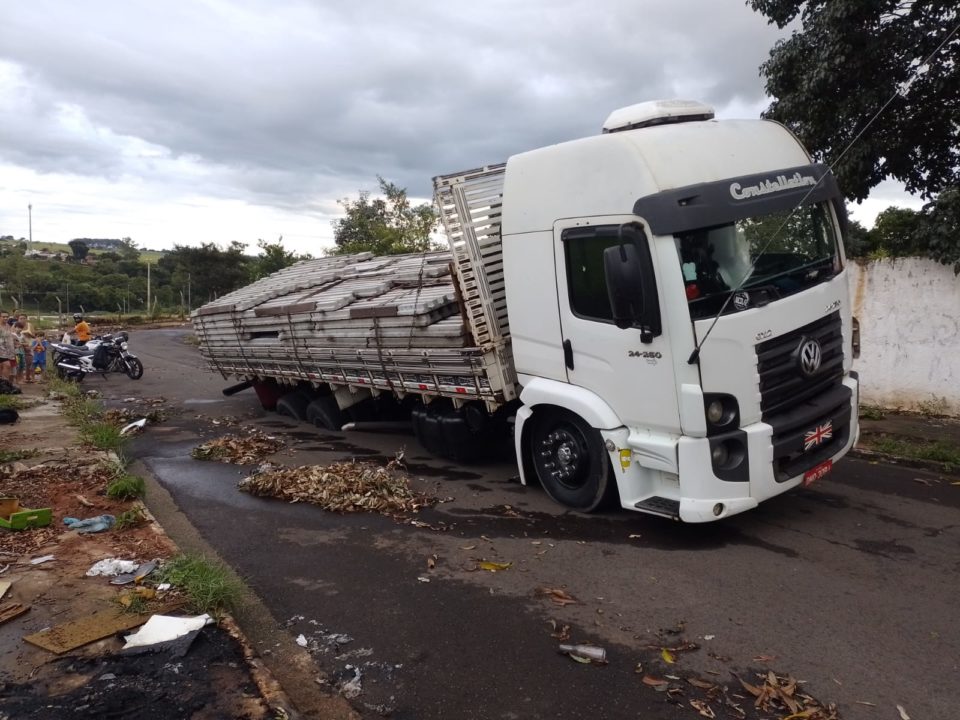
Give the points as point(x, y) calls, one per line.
point(631, 370)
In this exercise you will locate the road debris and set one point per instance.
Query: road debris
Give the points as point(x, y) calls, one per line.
point(134, 427)
point(135, 575)
point(342, 487)
point(584, 653)
point(249, 449)
point(783, 694)
point(42, 559)
point(11, 611)
point(302, 640)
point(903, 713)
point(111, 567)
point(165, 628)
point(560, 632)
point(558, 596)
point(493, 566)
point(90, 525)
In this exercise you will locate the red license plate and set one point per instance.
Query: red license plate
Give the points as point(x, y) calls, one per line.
point(815, 473)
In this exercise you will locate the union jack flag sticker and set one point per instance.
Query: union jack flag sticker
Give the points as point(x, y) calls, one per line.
point(818, 435)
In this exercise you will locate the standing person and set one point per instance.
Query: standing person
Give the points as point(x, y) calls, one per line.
point(27, 336)
point(81, 330)
point(39, 358)
point(8, 346)
point(18, 349)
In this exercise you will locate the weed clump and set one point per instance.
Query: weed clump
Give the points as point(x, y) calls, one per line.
point(208, 585)
point(126, 487)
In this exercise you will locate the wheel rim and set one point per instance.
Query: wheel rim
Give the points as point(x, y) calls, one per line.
point(563, 454)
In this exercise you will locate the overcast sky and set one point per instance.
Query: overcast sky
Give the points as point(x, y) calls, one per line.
point(215, 120)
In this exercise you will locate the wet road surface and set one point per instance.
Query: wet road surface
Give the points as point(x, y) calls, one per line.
point(850, 586)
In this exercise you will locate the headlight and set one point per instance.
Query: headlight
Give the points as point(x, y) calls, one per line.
point(123, 346)
point(722, 412)
point(719, 454)
point(715, 412)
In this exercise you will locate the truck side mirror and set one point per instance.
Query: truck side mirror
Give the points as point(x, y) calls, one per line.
point(621, 267)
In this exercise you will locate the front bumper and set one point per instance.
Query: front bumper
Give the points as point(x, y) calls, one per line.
point(775, 461)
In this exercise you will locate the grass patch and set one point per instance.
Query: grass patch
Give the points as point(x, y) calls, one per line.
point(871, 412)
point(209, 586)
point(103, 436)
point(8, 456)
point(131, 518)
point(11, 402)
point(126, 487)
point(938, 451)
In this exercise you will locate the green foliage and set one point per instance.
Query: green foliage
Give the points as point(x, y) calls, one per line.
point(933, 231)
point(273, 257)
point(210, 586)
point(937, 451)
point(133, 517)
point(208, 270)
point(847, 60)
point(387, 225)
point(8, 456)
point(126, 487)
point(11, 402)
point(103, 436)
point(871, 412)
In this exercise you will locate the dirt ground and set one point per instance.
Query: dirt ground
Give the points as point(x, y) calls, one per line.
point(212, 680)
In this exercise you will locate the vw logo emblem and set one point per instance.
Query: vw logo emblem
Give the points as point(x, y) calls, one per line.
point(741, 300)
point(809, 357)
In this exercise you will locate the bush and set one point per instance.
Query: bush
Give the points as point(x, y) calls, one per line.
point(210, 586)
point(127, 487)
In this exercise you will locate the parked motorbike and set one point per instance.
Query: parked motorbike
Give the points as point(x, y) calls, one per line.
point(103, 354)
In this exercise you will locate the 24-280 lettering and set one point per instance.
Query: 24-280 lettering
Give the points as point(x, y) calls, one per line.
point(654, 354)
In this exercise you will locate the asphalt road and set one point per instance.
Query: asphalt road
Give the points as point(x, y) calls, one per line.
point(850, 586)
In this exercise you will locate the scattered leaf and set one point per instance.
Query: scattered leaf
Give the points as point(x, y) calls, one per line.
point(864, 702)
point(654, 682)
point(764, 658)
point(702, 684)
point(668, 657)
point(431, 562)
point(634, 536)
point(903, 713)
point(493, 566)
point(468, 547)
point(701, 707)
point(579, 659)
point(558, 596)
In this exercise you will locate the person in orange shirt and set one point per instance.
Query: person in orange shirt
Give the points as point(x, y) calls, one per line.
point(81, 331)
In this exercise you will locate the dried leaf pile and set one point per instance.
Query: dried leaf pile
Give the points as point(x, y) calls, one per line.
point(784, 695)
point(248, 449)
point(342, 487)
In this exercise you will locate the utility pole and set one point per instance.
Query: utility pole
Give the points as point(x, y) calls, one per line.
point(189, 302)
point(30, 220)
point(148, 288)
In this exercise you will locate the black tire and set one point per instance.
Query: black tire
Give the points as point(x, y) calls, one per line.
point(570, 460)
point(325, 413)
point(133, 367)
point(70, 375)
point(294, 405)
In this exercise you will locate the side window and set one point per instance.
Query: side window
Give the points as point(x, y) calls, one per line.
point(583, 249)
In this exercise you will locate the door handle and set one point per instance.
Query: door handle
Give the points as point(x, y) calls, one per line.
point(568, 354)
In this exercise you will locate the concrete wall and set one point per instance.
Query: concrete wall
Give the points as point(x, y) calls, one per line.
point(909, 312)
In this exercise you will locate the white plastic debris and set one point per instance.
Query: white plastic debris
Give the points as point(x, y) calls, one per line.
point(111, 567)
point(41, 560)
point(302, 640)
point(353, 687)
point(163, 628)
point(163, 586)
point(133, 427)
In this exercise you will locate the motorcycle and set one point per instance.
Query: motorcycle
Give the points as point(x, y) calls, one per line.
point(103, 354)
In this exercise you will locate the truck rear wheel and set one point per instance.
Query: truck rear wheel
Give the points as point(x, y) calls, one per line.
point(325, 413)
point(570, 460)
point(294, 405)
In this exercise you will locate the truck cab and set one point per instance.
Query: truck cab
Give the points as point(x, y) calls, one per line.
point(679, 314)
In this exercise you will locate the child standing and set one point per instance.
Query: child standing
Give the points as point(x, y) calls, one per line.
point(39, 358)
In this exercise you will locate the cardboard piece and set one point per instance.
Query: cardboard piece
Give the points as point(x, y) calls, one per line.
point(101, 624)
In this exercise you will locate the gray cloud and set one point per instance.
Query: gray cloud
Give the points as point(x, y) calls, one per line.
point(293, 104)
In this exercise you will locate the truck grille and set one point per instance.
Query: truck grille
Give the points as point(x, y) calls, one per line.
point(782, 384)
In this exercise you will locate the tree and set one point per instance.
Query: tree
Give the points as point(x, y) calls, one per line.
point(900, 232)
point(943, 228)
point(832, 76)
point(80, 249)
point(213, 271)
point(273, 257)
point(387, 225)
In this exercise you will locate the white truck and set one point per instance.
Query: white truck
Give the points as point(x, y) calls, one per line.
point(657, 315)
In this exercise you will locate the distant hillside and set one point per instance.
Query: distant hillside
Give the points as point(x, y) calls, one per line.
point(150, 256)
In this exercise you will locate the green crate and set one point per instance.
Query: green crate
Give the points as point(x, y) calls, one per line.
point(24, 519)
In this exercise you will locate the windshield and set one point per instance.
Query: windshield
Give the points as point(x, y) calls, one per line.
point(714, 261)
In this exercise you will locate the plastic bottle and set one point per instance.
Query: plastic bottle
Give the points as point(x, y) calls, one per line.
point(590, 652)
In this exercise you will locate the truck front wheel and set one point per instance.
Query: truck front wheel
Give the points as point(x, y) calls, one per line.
point(570, 460)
